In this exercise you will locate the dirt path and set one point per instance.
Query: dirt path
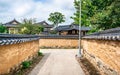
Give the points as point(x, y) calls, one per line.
point(58, 62)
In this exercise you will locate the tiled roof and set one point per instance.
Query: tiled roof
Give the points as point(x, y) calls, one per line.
point(60, 37)
point(110, 34)
point(44, 24)
point(70, 27)
point(11, 23)
point(6, 39)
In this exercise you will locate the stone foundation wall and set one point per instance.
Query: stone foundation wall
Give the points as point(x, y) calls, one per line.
point(58, 43)
point(12, 55)
point(104, 54)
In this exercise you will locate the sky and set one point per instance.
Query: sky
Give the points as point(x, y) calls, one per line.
point(38, 9)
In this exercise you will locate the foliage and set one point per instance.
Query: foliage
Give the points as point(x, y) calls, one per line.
point(29, 27)
point(87, 12)
point(56, 18)
point(111, 16)
point(26, 64)
point(3, 29)
point(98, 14)
point(53, 32)
point(40, 53)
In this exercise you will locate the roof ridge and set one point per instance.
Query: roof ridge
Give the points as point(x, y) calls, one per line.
point(14, 20)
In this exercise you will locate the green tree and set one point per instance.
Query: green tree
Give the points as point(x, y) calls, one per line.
point(110, 16)
point(86, 12)
point(98, 14)
point(101, 19)
point(56, 18)
point(29, 27)
point(3, 29)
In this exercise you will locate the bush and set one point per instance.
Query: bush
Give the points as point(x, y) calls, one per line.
point(3, 29)
point(40, 53)
point(26, 64)
point(53, 32)
point(29, 27)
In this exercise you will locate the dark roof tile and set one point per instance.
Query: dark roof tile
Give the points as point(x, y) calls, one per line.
point(6, 39)
point(12, 22)
point(70, 27)
point(44, 24)
point(109, 34)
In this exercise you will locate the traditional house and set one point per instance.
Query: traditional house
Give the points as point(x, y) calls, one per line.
point(12, 26)
point(71, 29)
point(47, 27)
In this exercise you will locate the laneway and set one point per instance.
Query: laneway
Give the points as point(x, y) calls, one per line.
point(58, 62)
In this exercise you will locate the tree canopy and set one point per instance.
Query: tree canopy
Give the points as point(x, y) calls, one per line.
point(29, 27)
point(98, 14)
point(56, 18)
point(3, 29)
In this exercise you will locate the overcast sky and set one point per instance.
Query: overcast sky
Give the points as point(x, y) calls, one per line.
point(39, 9)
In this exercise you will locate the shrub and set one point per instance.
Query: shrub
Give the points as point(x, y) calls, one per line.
point(3, 29)
point(26, 64)
point(29, 27)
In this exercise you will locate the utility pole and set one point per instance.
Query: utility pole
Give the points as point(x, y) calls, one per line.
point(79, 43)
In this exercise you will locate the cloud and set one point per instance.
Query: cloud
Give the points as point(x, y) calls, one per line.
point(39, 9)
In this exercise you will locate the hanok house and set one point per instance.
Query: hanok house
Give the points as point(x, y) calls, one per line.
point(12, 26)
point(46, 26)
point(71, 30)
